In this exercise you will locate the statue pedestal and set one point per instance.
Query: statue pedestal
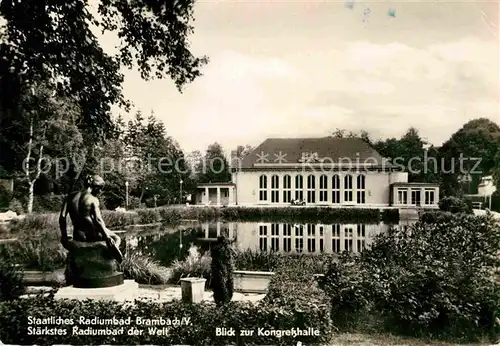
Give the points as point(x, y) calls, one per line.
point(124, 292)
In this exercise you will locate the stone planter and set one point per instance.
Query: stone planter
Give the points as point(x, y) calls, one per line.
point(251, 281)
point(193, 290)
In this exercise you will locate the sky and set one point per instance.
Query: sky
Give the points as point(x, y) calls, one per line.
point(305, 68)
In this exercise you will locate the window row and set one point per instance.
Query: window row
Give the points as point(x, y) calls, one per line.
point(416, 197)
point(324, 191)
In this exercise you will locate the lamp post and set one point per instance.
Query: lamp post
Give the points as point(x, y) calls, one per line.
point(180, 243)
point(126, 194)
point(180, 192)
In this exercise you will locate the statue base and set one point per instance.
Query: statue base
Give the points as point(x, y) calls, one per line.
point(90, 265)
point(111, 280)
point(127, 291)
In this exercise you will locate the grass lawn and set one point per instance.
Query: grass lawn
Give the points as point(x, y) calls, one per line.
point(387, 339)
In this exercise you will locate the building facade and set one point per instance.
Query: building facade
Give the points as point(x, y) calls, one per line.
point(335, 172)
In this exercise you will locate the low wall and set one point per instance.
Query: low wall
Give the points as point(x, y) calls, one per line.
point(251, 281)
point(37, 278)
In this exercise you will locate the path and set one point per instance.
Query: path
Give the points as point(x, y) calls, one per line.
point(164, 293)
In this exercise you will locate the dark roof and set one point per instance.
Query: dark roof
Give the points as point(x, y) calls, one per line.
point(326, 147)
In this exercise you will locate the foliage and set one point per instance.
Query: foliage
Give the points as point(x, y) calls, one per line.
point(11, 281)
point(59, 46)
point(35, 254)
point(273, 261)
point(403, 152)
point(47, 135)
point(495, 201)
point(216, 166)
point(390, 215)
point(16, 206)
point(477, 142)
point(194, 265)
point(435, 279)
point(155, 163)
point(222, 268)
point(453, 204)
point(295, 288)
point(204, 318)
point(47, 203)
point(143, 269)
point(5, 198)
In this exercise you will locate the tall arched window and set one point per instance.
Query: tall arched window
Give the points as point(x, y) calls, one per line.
point(311, 237)
point(335, 189)
point(323, 188)
point(275, 189)
point(299, 187)
point(348, 188)
point(311, 189)
point(287, 189)
point(360, 189)
point(263, 188)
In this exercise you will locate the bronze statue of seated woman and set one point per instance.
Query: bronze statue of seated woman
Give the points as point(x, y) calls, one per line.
point(93, 249)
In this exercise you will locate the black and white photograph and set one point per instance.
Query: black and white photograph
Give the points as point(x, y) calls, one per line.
point(250, 172)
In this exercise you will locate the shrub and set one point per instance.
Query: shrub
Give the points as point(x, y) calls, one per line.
point(195, 265)
point(47, 203)
point(143, 269)
point(148, 216)
point(495, 201)
point(345, 284)
point(198, 330)
point(133, 202)
point(11, 281)
point(390, 215)
point(16, 206)
point(259, 260)
point(436, 278)
point(36, 254)
point(453, 205)
point(37, 225)
point(294, 288)
point(5, 198)
point(222, 267)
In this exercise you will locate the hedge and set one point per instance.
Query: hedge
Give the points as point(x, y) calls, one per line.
point(434, 279)
point(288, 313)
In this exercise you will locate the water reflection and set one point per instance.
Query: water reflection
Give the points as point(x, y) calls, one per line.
point(297, 238)
point(312, 238)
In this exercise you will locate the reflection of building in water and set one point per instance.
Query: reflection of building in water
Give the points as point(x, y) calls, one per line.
point(297, 238)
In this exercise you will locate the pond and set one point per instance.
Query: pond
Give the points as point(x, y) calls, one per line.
point(168, 244)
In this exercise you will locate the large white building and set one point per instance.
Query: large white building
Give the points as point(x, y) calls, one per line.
point(336, 172)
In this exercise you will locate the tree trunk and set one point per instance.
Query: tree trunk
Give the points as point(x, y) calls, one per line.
point(31, 192)
point(31, 182)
